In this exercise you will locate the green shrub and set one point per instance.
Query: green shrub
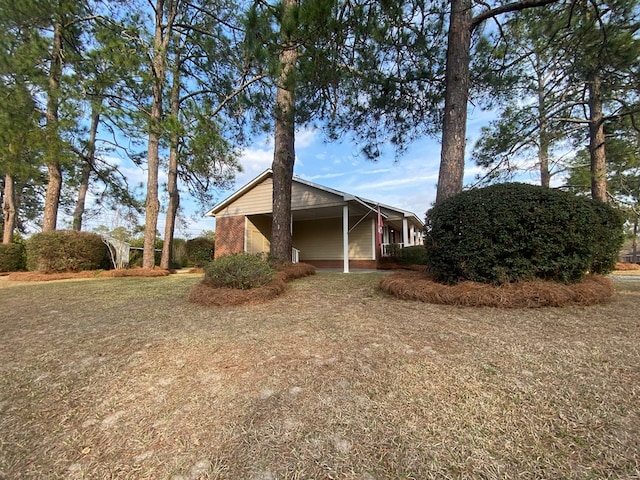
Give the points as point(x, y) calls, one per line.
point(394, 251)
point(241, 271)
point(609, 238)
point(200, 251)
point(513, 232)
point(413, 255)
point(179, 255)
point(66, 250)
point(12, 257)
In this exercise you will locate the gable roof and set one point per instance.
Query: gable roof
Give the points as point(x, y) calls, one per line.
point(346, 197)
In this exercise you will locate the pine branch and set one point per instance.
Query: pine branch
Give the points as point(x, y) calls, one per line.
point(573, 120)
point(509, 7)
point(229, 97)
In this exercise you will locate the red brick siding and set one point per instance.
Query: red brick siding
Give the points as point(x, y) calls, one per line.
point(229, 236)
point(353, 264)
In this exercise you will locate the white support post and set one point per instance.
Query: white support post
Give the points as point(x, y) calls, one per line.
point(374, 239)
point(246, 234)
point(345, 237)
point(405, 232)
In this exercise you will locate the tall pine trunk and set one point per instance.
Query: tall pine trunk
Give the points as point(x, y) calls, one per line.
point(152, 203)
point(172, 182)
point(158, 67)
point(634, 241)
point(284, 149)
point(454, 127)
point(596, 141)
point(543, 136)
point(79, 210)
point(9, 209)
point(543, 157)
point(52, 160)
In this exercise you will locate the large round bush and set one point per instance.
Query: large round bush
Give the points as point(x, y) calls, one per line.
point(66, 251)
point(512, 232)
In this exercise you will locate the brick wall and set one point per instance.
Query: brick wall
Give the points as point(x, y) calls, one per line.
point(229, 235)
point(353, 264)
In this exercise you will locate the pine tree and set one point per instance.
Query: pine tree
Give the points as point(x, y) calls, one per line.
point(601, 53)
point(462, 23)
point(302, 58)
point(205, 87)
point(528, 80)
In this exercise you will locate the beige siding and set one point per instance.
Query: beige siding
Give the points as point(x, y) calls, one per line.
point(256, 200)
point(259, 199)
point(322, 240)
point(258, 234)
point(318, 239)
point(303, 196)
point(360, 241)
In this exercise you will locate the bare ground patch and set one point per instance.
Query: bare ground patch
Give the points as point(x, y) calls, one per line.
point(333, 379)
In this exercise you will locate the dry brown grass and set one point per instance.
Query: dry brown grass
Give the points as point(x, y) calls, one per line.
point(124, 379)
point(419, 286)
point(47, 277)
point(206, 294)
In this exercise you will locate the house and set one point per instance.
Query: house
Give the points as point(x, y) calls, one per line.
point(629, 253)
point(331, 229)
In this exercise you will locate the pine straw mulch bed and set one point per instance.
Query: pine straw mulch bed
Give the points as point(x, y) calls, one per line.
point(626, 267)
point(207, 295)
point(594, 289)
point(45, 277)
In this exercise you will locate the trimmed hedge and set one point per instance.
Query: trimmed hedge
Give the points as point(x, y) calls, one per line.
point(179, 254)
point(413, 255)
point(519, 232)
point(242, 271)
point(66, 251)
point(12, 257)
point(200, 251)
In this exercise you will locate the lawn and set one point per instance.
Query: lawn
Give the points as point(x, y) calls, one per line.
point(122, 378)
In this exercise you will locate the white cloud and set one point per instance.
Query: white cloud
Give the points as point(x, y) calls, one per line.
point(254, 161)
point(306, 137)
point(377, 172)
point(258, 158)
point(394, 183)
point(312, 178)
point(134, 174)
